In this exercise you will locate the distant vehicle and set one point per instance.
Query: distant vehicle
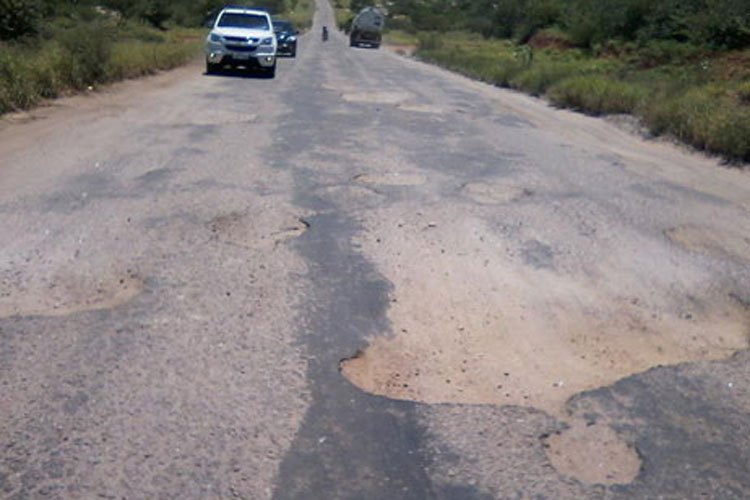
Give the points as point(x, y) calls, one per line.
point(367, 28)
point(241, 36)
point(286, 37)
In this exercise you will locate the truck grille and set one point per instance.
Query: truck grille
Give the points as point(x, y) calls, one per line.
point(241, 48)
point(240, 39)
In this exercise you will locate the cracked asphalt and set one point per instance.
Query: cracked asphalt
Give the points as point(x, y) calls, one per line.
point(367, 278)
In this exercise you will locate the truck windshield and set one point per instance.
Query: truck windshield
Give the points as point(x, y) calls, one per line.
point(236, 20)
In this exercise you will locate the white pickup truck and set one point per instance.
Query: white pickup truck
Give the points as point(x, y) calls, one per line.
point(241, 37)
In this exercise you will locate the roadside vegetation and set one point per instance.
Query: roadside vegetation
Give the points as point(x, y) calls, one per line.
point(299, 12)
point(50, 48)
point(681, 66)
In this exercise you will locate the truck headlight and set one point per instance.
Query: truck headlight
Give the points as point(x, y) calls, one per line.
point(291, 39)
point(214, 37)
point(267, 41)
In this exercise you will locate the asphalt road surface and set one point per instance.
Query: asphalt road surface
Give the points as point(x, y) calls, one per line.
point(367, 278)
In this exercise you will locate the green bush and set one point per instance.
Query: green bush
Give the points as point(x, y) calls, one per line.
point(302, 13)
point(660, 52)
point(538, 14)
point(18, 18)
point(430, 41)
point(505, 70)
point(731, 134)
point(724, 24)
point(597, 94)
point(717, 24)
point(133, 59)
point(154, 12)
point(495, 70)
point(85, 52)
point(542, 75)
point(74, 61)
point(705, 117)
point(16, 89)
point(45, 81)
point(743, 93)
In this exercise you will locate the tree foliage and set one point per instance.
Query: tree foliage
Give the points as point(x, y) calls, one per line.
point(19, 18)
point(720, 24)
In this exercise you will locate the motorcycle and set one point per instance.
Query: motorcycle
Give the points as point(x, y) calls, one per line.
point(325, 33)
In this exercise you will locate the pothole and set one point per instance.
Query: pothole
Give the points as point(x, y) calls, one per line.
point(295, 228)
point(473, 323)
point(375, 97)
point(225, 227)
point(250, 231)
point(534, 352)
point(711, 241)
point(66, 293)
point(593, 453)
point(488, 193)
point(391, 179)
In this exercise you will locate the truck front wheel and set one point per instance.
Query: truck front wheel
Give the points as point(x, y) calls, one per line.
point(212, 68)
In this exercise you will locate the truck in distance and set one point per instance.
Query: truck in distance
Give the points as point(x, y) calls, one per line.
point(367, 28)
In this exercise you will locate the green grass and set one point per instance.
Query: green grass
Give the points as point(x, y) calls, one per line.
point(700, 98)
point(598, 94)
point(714, 117)
point(87, 55)
point(491, 61)
point(133, 59)
point(302, 14)
point(344, 15)
point(400, 37)
point(538, 77)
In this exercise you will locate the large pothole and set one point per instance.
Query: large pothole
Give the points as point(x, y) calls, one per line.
point(473, 322)
point(65, 292)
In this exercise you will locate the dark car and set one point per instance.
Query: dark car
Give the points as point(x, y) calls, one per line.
point(286, 37)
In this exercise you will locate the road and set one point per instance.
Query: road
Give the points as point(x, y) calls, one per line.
point(367, 278)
